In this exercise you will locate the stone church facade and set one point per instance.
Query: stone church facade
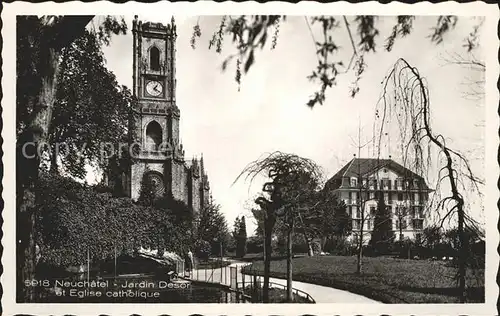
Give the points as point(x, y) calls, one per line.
point(154, 125)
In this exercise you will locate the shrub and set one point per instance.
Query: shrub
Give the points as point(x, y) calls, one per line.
point(75, 219)
point(255, 244)
point(202, 249)
point(339, 246)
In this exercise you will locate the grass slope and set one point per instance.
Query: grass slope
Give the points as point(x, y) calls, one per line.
point(384, 279)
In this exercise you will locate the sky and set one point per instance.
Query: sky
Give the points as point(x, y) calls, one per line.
point(233, 127)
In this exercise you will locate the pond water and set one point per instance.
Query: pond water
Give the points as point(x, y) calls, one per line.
point(113, 291)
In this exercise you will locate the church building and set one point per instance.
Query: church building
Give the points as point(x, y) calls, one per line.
point(154, 125)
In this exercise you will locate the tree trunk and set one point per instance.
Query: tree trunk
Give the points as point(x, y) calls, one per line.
point(361, 207)
point(323, 243)
point(462, 257)
point(400, 229)
point(56, 33)
point(53, 161)
point(28, 162)
point(289, 293)
point(268, 229)
point(360, 253)
point(456, 196)
point(310, 249)
point(360, 250)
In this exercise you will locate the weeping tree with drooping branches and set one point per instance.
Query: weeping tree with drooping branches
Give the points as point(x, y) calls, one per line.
point(404, 110)
point(288, 175)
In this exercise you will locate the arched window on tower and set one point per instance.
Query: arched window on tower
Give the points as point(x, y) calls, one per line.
point(154, 58)
point(153, 136)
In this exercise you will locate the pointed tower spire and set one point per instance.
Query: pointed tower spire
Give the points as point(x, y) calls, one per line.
point(202, 168)
point(174, 27)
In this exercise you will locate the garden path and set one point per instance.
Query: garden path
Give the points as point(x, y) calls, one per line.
point(321, 294)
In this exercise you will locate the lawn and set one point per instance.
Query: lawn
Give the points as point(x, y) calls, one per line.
point(387, 280)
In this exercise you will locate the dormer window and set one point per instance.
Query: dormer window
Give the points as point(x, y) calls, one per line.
point(154, 58)
point(354, 182)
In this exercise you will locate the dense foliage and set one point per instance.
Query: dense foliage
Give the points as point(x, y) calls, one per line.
point(91, 109)
point(382, 233)
point(75, 220)
point(212, 230)
point(240, 236)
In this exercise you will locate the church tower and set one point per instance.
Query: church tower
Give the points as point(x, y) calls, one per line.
point(155, 123)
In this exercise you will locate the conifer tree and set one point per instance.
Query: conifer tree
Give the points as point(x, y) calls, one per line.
point(242, 246)
point(382, 233)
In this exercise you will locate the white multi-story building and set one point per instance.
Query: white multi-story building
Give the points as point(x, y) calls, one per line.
point(359, 184)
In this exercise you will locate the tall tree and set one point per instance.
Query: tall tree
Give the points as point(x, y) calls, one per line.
point(342, 223)
point(402, 213)
point(285, 172)
point(235, 234)
point(405, 90)
point(212, 227)
point(382, 233)
point(240, 236)
point(243, 237)
point(90, 111)
point(40, 41)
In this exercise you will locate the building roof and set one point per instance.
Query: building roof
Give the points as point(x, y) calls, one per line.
point(365, 166)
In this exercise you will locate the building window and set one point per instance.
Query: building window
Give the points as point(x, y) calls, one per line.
point(358, 213)
point(350, 211)
point(386, 183)
point(397, 224)
point(369, 224)
point(354, 182)
point(399, 184)
point(355, 223)
point(418, 224)
point(418, 238)
point(153, 135)
point(372, 210)
point(372, 195)
point(400, 196)
point(154, 58)
point(386, 197)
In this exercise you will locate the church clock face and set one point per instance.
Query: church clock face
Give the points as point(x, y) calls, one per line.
point(154, 88)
